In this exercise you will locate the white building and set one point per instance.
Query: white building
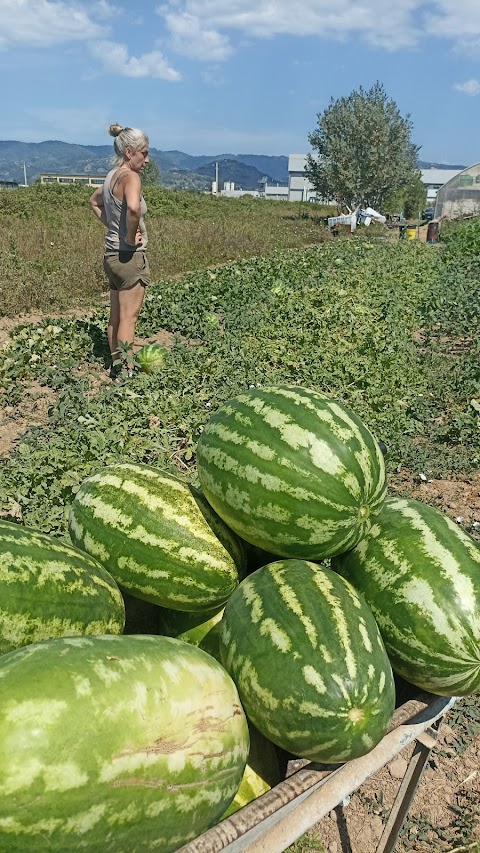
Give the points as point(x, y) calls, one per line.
point(435, 178)
point(229, 191)
point(299, 186)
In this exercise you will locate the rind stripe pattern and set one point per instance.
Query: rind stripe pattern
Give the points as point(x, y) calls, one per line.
point(295, 617)
point(292, 471)
point(420, 574)
point(155, 738)
point(51, 589)
point(157, 536)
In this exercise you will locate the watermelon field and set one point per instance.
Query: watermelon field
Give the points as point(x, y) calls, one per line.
point(379, 340)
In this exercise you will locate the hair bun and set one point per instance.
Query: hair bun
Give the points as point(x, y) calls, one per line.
point(115, 129)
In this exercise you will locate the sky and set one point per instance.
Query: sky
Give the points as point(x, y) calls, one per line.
point(237, 76)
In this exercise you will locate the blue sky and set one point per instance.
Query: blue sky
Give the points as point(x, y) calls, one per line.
point(237, 76)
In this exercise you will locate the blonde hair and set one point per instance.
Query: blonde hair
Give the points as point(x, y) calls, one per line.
point(126, 137)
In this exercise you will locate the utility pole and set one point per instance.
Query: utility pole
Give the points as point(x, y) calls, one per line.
point(215, 188)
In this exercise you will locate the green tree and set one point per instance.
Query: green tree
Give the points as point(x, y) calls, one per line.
point(412, 199)
point(362, 150)
point(151, 174)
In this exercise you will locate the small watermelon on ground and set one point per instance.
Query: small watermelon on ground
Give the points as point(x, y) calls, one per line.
point(308, 660)
point(51, 589)
point(420, 574)
point(292, 471)
point(115, 745)
point(150, 358)
point(158, 536)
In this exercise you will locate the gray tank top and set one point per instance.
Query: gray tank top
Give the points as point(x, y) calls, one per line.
point(116, 213)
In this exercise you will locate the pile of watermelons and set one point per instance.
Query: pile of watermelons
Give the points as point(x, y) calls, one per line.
point(153, 673)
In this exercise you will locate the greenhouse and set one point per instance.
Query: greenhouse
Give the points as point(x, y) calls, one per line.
point(460, 196)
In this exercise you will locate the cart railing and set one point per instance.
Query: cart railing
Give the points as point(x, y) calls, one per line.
point(280, 816)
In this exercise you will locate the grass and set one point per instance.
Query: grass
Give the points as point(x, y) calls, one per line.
point(51, 245)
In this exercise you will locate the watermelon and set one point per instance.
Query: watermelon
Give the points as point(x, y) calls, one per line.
point(150, 358)
point(115, 745)
point(420, 574)
point(158, 537)
point(51, 589)
point(261, 773)
point(308, 660)
point(292, 471)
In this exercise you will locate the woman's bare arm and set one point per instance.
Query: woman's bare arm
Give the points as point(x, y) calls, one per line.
point(96, 203)
point(132, 191)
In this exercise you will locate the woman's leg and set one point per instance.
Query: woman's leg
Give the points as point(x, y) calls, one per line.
point(114, 319)
point(129, 305)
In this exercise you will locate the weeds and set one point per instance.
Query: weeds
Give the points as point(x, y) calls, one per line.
point(51, 246)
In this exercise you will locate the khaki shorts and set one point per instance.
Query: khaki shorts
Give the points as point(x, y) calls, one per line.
point(125, 269)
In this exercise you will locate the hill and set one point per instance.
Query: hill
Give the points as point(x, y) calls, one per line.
point(426, 164)
point(177, 169)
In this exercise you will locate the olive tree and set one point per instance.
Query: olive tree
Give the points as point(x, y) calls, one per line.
point(362, 150)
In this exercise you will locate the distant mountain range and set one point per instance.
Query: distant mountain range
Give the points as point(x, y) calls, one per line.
point(424, 164)
point(177, 169)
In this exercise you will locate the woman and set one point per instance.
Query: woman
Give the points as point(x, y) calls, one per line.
point(120, 205)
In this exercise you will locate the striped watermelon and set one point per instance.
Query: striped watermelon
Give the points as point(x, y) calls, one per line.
point(263, 770)
point(420, 574)
point(157, 536)
point(150, 358)
point(310, 666)
point(292, 471)
point(51, 589)
point(115, 744)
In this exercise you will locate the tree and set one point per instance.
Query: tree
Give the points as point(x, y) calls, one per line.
point(411, 199)
point(151, 174)
point(363, 150)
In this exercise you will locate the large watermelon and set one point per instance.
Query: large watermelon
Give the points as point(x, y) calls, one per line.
point(306, 655)
point(115, 745)
point(158, 537)
point(292, 471)
point(51, 589)
point(420, 574)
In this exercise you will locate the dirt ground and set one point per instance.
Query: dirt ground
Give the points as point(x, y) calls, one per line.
point(446, 804)
point(37, 399)
point(451, 781)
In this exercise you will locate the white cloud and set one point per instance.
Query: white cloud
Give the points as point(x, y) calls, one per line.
point(470, 87)
point(198, 21)
point(45, 22)
point(196, 39)
point(208, 29)
point(116, 60)
point(457, 21)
